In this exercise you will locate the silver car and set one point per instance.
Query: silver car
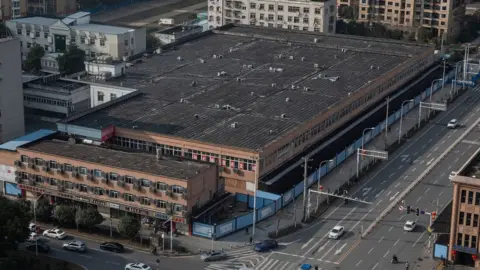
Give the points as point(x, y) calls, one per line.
point(75, 246)
point(213, 256)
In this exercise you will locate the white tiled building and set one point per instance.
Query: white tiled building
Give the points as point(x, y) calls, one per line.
point(95, 39)
point(319, 16)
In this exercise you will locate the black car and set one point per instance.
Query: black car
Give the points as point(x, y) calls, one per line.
point(42, 247)
point(112, 246)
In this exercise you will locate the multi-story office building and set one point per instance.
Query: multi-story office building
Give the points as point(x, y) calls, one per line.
point(443, 17)
point(117, 182)
point(319, 16)
point(11, 94)
point(95, 39)
point(464, 224)
point(13, 9)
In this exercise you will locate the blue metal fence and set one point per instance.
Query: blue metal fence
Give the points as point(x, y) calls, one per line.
point(268, 204)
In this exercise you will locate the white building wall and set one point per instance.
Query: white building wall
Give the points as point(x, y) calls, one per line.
point(106, 91)
point(11, 91)
point(116, 69)
point(296, 15)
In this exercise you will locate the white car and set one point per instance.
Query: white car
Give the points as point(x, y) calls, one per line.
point(33, 236)
point(453, 123)
point(336, 232)
point(75, 245)
point(137, 266)
point(32, 227)
point(409, 226)
point(452, 175)
point(55, 233)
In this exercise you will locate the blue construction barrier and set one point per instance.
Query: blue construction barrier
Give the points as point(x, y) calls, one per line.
point(104, 8)
point(268, 204)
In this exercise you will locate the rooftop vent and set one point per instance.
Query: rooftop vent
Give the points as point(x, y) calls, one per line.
point(216, 106)
point(182, 100)
point(271, 131)
point(249, 66)
point(134, 127)
point(344, 50)
point(306, 88)
point(196, 116)
point(274, 84)
point(287, 99)
point(179, 58)
point(315, 40)
point(215, 56)
point(302, 59)
point(220, 56)
point(226, 107)
point(335, 56)
point(280, 56)
point(349, 93)
point(221, 73)
point(283, 115)
point(239, 79)
point(234, 125)
point(201, 61)
point(158, 51)
point(315, 65)
point(290, 57)
point(252, 94)
point(193, 83)
point(293, 86)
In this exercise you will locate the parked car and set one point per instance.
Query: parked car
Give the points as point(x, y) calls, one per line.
point(409, 226)
point(306, 266)
point(452, 124)
point(112, 246)
point(33, 236)
point(55, 233)
point(32, 227)
point(213, 256)
point(266, 245)
point(336, 232)
point(42, 247)
point(137, 266)
point(75, 246)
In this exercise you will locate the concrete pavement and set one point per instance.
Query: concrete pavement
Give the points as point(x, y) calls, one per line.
point(382, 187)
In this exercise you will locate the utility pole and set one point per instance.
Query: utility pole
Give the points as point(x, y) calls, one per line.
point(294, 208)
point(305, 184)
point(386, 123)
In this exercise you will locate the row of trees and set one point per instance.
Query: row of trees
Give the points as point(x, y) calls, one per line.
point(369, 30)
point(70, 62)
point(86, 218)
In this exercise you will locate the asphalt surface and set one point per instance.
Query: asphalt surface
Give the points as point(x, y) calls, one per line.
point(97, 259)
point(381, 188)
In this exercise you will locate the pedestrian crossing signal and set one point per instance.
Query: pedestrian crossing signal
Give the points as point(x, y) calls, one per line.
point(418, 212)
point(408, 209)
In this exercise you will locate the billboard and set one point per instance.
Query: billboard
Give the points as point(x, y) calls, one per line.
point(108, 133)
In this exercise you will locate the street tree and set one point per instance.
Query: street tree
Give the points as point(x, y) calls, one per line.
point(44, 210)
point(72, 60)
point(129, 227)
point(65, 214)
point(88, 217)
point(14, 219)
point(34, 57)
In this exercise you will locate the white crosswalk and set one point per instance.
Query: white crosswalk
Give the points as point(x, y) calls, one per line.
point(243, 257)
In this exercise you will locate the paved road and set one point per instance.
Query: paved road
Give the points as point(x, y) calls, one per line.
point(381, 188)
point(97, 259)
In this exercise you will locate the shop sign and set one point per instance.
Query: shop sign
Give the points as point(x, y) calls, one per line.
point(178, 220)
point(108, 133)
point(135, 210)
point(32, 189)
point(465, 249)
point(161, 216)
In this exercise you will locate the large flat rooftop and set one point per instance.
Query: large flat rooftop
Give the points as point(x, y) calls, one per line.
point(140, 162)
point(251, 77)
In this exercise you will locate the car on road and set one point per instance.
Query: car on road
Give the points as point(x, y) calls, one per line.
point(55, 233)
point(42, 247)
point(266, 245)
point(409, 226)
point(32, 227)
point(306, 266)
point(336, 232)
point(75, 246)
point(112, 246)
point(33, 236)
point(213, 255)
point(137, 266)
point(452, 124)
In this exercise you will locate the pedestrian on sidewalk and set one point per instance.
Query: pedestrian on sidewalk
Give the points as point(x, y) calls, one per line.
point(406, 266)
point(250, 240)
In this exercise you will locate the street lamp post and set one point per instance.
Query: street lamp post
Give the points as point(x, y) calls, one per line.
point(257, 168)
point(212, 234)
point(363, 134)
point(401, 119)
point(431, 88)
point(319, 177)
point(35, 221)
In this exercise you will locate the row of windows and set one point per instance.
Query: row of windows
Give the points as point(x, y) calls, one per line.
point(470, 241)
point(101, 96)
point(293, 19)
point(228, 161)
point(107, 175)
point(293, 9)
point(466, 219)
point(470, 198)
point(49, 101)
point(143, 200)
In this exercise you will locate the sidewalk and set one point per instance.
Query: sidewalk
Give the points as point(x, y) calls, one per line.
point(332, 181)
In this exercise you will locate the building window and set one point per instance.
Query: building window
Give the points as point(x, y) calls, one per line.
point(83, 188)
point(39, 179)
point(82, 40)
point(92, 40)
point(177, 189)
point(305, 20)
point(45, 34)
point(252, 5)
point(37, 34)
point(306, 10)
point(463, 197)
point(475, 220)
point(72, 39)
point(131, 41)
point(24, 159)
point(145, 201)
point(477, 198)
point(280, 8)
point(161, 186)
point(92, 54)
point(113, 96)
point(161, 204)
point(29, 44)
point(102, 42)
point(469, 219)
point(178, 208)
point(19, 31)
point(113, 194)
point(270, 7)
point(317, 11)
point(98, 191)
point(129, 179)
point(52, 164)
point(473, 244)
point(145, 182)
point(126, 42)
point(459, 239)
point(97, 173)
point(461, 217)
point(470, 197)
point(113, 176)
point(466, 241)
point(46, 48)
point(39, 162)
point(83, 171)
point(129, 197)
point(53, 181)
point(100, 96)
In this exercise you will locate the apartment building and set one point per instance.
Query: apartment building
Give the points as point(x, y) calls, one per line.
point(13, 9)
point(319, 16)
point(11, 96)
point(464, 224)
point(116, 182)
point(443, 17)
point(95, 39)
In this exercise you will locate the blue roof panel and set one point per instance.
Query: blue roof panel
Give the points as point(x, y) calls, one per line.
point(18, 142)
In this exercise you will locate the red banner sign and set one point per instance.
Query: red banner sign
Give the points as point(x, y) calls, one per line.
point(108, 133)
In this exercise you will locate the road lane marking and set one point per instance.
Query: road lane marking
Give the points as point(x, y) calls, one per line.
point(419, 198)
point(442, 174)
point(383, 182)
point(442, 142)
point(435, 182)
point(328, 251)
point(418, 239)
point(388, 194)
point(391, 175)
point(436, 148)
point(449, 167)
point(381, 239)
point(391, 228)
point(426, 191)
point(297, 256)
point(338, 251)
point(115, 263)
point(396, 242)
point(397, 184)
point(423, 146)
point(375, 266)
point(85, 256)
point(359, 263)
point(388, 251)
point(429, 155)
point(414, 169)
point(430, 162)
point(430, 140)
point(306, 244)
point(440, 193)
point(456, 160)
point(379, 202)
point(323, 247)
point(401, 166)
point(378, 194)
point(415, 153)
point(405, 178)
point(394, 195)
point(310, 250)
point(370, 250)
